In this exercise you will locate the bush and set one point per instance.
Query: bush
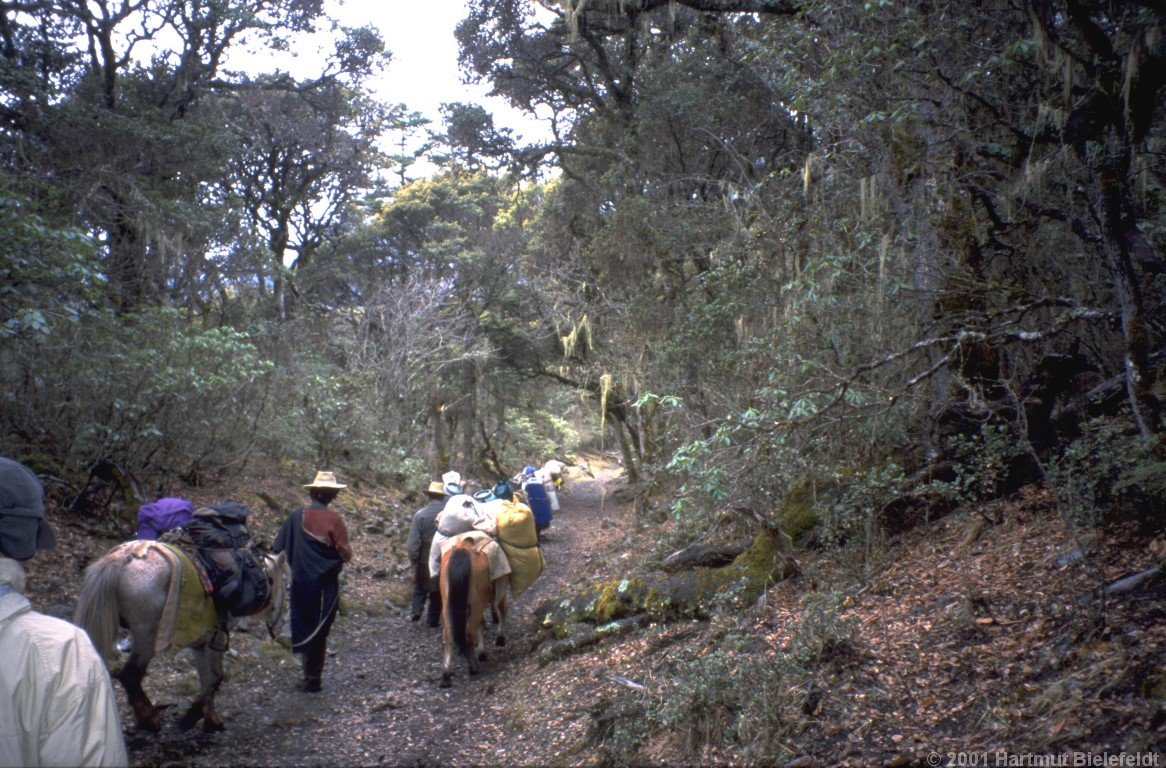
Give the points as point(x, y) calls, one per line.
point(151, 392)
point(1108, 473)
point(703, 699)
point(984, 464)
point(849, 512)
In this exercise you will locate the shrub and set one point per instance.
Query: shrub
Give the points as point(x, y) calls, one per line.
point(1107, 472)
point(983, 464)
point(150, 392)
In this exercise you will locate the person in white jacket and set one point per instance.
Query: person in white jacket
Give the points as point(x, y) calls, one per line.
point(58, 703)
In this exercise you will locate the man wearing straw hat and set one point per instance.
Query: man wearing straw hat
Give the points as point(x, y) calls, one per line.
point(316, 541)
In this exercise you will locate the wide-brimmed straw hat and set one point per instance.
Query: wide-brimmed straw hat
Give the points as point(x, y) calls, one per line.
point(436, 489)
point(325, 480)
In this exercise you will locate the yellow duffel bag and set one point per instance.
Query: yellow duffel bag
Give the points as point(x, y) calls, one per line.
point(516, 525)
point(526, 563)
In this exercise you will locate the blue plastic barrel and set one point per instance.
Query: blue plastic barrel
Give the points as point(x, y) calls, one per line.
point(540, 504)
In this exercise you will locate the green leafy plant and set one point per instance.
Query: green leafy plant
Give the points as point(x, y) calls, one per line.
point(982, 464)
point(1108, 471)
point(851, 513)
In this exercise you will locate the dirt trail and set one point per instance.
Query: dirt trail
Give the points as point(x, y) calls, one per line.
point(381, 703)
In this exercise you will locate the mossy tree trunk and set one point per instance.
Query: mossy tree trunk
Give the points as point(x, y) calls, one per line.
point(696, 593)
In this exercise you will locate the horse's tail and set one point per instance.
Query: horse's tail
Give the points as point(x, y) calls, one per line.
point(459, 570)
point(97, 611)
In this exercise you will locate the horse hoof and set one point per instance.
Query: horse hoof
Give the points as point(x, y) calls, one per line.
point(152, 725)
point(482, 656)
point(189, 720)
point(445, 681)
point(500, 641)
point(213, 726)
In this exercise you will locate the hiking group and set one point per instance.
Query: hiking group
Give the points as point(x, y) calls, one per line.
point(506, 520)
point(204, 556)
point(499, 511)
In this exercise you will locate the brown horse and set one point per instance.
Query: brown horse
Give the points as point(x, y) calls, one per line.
point(136, 585)
point(466, 590)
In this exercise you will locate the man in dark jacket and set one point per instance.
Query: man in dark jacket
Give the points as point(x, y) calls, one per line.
point(420, 539)
point(316, 541)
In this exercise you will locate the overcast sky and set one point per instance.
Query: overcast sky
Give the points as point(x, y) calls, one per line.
point(424, 71)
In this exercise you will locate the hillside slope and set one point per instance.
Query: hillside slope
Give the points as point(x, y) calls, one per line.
point(976, 634)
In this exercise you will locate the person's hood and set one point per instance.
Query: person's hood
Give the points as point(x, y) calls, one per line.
point(23, 527)
point(21, 493)
point(12, 574)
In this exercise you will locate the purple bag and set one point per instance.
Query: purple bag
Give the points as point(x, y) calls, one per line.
point(162, 515)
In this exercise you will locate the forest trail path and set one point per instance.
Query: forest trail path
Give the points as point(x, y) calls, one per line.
point(381, 704)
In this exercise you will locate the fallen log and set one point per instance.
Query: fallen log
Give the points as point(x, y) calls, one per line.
point(1130, 583)
point(704, 555)
point(695, 593)
point(588, 637)
point(1107, 398)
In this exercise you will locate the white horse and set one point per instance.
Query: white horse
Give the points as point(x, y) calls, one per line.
point(129, 587)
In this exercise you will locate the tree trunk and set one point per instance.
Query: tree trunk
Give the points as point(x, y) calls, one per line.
point(126, 259)
point(441, 456)
point(694, 593)
point(626, 447)
point(704, 555)
point(1114, 207)
point(469, 417)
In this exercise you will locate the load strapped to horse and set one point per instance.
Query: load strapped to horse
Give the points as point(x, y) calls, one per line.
point(476, 570)
point(539, 489)
point(220, 541)
point(181, 593)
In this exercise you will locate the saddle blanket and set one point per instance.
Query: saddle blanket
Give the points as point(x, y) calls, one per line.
point(499, 563)
point(189, 612)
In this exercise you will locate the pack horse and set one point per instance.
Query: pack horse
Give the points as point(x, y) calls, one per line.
point(155, 591)
point(466, 590)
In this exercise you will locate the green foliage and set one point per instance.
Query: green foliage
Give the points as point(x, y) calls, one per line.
point(167, 394)
point(48, 273)
point(982, 464)
point(151, 392)
point(536, 433)
point(619, 729)
point(700, 696)
point(323, 412)
point(822, 630)
point(705, 697)
point(1109, 473)
point(850, 512)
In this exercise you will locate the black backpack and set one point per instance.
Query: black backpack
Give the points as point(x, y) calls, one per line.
point(221, 536)
point(223, 526)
